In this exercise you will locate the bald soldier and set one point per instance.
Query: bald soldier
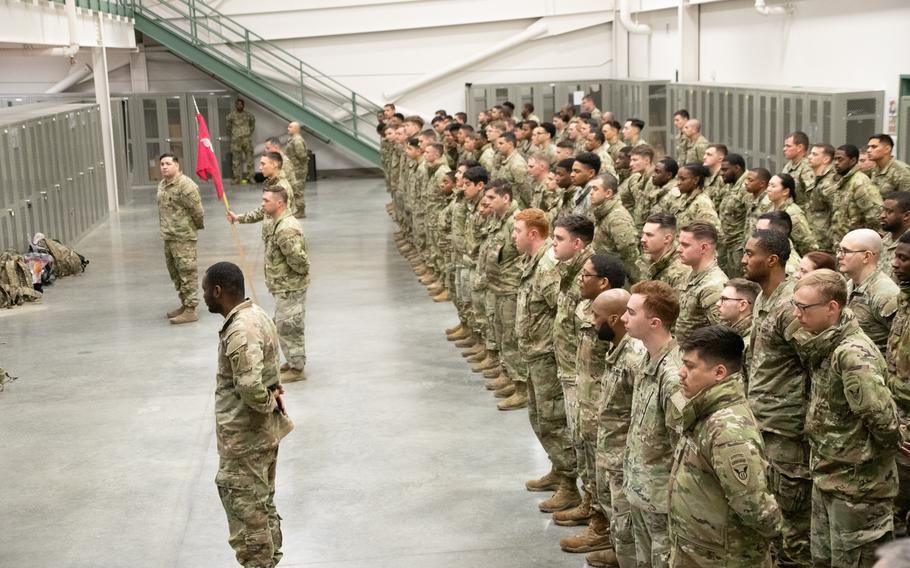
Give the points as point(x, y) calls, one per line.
point(871, 294)
point(297, 152)
point(696, 144)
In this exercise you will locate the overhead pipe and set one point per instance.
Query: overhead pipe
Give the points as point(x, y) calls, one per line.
point(74, 77)
point(766, 10)
point(625, 16)
point(534, 31)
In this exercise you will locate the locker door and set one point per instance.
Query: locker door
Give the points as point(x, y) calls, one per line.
point(547, 107)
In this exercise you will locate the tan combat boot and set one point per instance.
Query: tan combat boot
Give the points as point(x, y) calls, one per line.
point(549, 482)
point(484, 365)
point(442, 296)
point(284, 367)
point(186, 316)
point(479, 356)
point(435, 288)
point(175, 313)
point(454, 329)
point(492, 373)
point(506, 391)
point(603, 559)
point(595, 537)
point(566, 497)
point(579, 515)
point(467, 342)
point(428, 279)
point(519, 398)
point(499, 382)
point(476, 351)
point(462, 335)
point(421, 269)
point(292, 375)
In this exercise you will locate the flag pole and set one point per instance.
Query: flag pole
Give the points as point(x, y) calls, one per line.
point(244, 265)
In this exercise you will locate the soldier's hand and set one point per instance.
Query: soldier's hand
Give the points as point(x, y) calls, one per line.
point(905, 448)
point(231, 217)
point(279, 399)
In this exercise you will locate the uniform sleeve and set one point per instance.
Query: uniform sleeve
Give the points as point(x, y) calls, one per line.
point(252, 122)
point(626, 238)
point(245, 354)
point(802, 234)
point(868, 396)
point(254, 216)
point(293, 247)
point(672, 402)
point(868, 201)
point(625, 193)
point(192, 202)
point(708, 300)
point(740, 469)
point(902, 179)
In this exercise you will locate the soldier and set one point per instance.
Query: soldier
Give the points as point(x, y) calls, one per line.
point(565, 150)
point(696, 142)
point(615, 415)
point(489, 157)
point(852, 426)
point(721, 511)
point(542, 140)
point(475, 181)
point(600, 273)
point(780, 221)
point(714, 184)
point(586, 166)
point(297, 151)
point(614, 231)
point(681, 142)
point(656, 406)
point(796, 144)
point(813, 261)
point(658, 251)
point(613, 139)
point(778, 393)
point(180, 217)
point(699, 294)
point(734, 307)
point(270, 164)
point(693, 203)
point(871, 295)
point(898, 377)
point(895, 219)
point(622, 163)
point(631, 191)
point(890, 174)
point(434, 201)
point(781, 196)
point(631, 132)
point(527, 112)
point(536, 310)
point(538, 170)
point(858, 203)
point(659, 191)
point(273, 144)
point(595, 143)
point(250, 417)
point(463, 206)
point(240, 125)
point(513, 169)
point(820, 200)
point(734, 207)
point(588, 106)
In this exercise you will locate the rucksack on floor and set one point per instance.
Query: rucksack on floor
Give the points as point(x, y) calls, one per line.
point(66, 261)
point(16, 282)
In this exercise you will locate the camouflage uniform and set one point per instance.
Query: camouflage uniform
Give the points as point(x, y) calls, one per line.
point(461, 287)
point(514, 169)
point(734, 207)
point(504, 273)
point(778, 394)
point(852, 426)
point(893, 177)
point(474, 231)
point(385, 152)
point(681, 145)
point(653, 199)
point(287, 276)
point(434, 202)
point(565, 333)
point(536, 310)
point(889, 245)
point(487, 157)
point(589, 364)
point(299, 158)
point(696, 206)
point(819, 204)
point(695, 150)
point(615, 233)
point(248, 428)
point(631, 190)
point(240, 126)
point(722, 512)
point(606, 160)
point(804, 177)
point(756, 206)
point(482, 295)
point(667, 268)
point(874, 303)
point(698, 300)
point(802, 236)
point(715, 188)
point(615, 415)
point(744, 328)
point(180, 217)
point(857, 205)
point(898, 380)
point(653, 433)
point(258, 214)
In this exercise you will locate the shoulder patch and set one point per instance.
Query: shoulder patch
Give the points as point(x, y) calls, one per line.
point(739, 463)
point(854, 393)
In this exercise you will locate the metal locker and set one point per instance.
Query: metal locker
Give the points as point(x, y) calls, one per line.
point(903, 130)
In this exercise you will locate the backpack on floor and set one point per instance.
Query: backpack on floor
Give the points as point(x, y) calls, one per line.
point(16, 282)
point(66, 261)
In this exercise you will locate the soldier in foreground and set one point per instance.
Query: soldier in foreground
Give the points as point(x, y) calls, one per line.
point(250, 417)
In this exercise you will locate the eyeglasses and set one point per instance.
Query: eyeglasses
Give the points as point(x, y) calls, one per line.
point(841, 251)
point(803, 307)
point(726, 299)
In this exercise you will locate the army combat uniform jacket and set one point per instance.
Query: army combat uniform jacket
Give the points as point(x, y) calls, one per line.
point(180, 214)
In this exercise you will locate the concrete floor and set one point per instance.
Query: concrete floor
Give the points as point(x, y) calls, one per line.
point(399, 459)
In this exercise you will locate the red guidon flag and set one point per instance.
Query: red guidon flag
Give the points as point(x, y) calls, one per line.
point(206, 162)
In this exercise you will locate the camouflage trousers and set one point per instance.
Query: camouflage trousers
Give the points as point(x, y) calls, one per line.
point(569, 385)
point(463, 294)
point(794, 494)
point(546, 412)
point(246, 486)
point(902, 501)
point(731, 260)
point(504, 308)
point(489, 304)
point(652, 539)
point(611, 500)
point(478, 305)
point(299, 206)
point(290, 316)
point(242, 158)
point(846, 533)
point(586, 445)
point(180, 257)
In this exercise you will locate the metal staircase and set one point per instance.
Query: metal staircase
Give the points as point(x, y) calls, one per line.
point(255, 67)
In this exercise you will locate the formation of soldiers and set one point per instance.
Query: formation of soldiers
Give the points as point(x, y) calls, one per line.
point(714, 357)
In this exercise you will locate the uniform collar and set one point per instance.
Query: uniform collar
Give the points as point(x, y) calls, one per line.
point(724, 394)
point(247, 303)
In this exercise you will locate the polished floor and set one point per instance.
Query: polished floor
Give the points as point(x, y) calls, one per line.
point(399, 459)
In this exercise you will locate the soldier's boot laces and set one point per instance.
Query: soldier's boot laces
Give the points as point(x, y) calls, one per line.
point(175, 313)
point(506, 391)
point(595, 537)
point(602, 559)
point(579, 515)
point(292, 375)
point(499, 382)
point(187, 316)
point(519, 398)
point(549, 482)
point(566, 497)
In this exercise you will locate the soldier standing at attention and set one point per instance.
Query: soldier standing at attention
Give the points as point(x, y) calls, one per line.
point(722, 513)
point(857, 202)
point(656, 406)
point(889, 174)
point(680, 141)
point(696, 144)
point(273, 144)
point(180, 217)
point(270, 165)
point(852, 426)
point(699, 294)
point(658, 251)
point(250, 417)
point(895, 219)
point(796, 145)
point(898, 362)
point(297, 151)
point(240, 125)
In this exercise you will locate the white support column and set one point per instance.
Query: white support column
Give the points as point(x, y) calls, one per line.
point(103, 98)
point(139, 77)
point(620, 48)
point(688, 41)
